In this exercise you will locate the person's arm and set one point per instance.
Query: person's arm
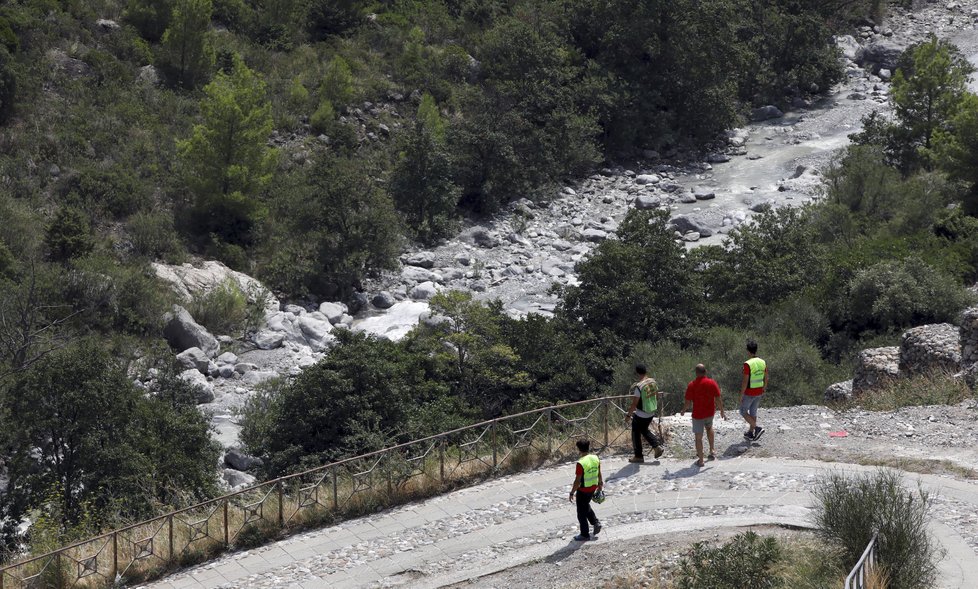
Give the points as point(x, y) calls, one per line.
point(634, 406)
point(600, 477)
point(745, 381)
point(686, 404)
point(765, 378)
point(577, 485)
point(720, 403)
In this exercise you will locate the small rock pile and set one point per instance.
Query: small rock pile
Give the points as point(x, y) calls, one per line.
point(874, 367)
point(930, 347)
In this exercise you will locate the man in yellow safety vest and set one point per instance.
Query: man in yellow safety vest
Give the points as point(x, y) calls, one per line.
point(752, 387)
point(587, 480)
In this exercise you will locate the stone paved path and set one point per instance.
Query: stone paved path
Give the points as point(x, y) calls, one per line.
point(521, 518)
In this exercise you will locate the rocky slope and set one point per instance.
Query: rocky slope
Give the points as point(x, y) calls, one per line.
point(518, 257)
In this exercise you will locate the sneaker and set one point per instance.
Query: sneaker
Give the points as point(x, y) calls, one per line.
point(711, 456)
point(748, 435)
point(657, 451)
point(597, 528)
point(700, 463)
point(757, 433)
point(637, 459)
point(580, 538)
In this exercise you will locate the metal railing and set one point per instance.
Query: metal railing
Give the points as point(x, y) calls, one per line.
point(329, 493)
point(867, 562)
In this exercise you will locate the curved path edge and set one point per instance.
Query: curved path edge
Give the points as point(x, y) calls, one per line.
point(519, 519)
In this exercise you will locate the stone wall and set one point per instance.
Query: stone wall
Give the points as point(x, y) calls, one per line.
point(930, 347)
point(875, 366)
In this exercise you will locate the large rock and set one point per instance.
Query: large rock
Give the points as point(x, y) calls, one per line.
point(238, 459)
point(193, 358)
point(237, 480)
point(424, 291)
point(848, 45)
point(256, 377)
point(875, 367)
point(929, 348)
point(317, 331)
point(645, 202)
point(396, 322)
point(765, 113)
point(480, 236)
point(333, 311)
point(421, 260)
point(413, 274)
point(383, 300)
point(839, 392)
point(203, 388)
point(183, 333)
point(879, 55)
point(696, 224)
point(189, 281)
point(267, 339)
point(647, 179)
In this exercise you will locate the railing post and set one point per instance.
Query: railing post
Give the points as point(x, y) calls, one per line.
point(336, 490)
point(550, 431)
point(494, 461)
point(441, 458)
point(115, 557)
point(61, 572)
point(606, 410)
point(227, 536)
point(281, 506)
point(170, 554)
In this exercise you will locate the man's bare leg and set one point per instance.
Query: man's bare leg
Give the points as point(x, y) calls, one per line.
point(709, 436)
point(699, 447)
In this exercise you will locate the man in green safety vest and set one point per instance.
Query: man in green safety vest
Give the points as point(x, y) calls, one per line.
point(752, 387)
point(587, 480)
point(646, 398)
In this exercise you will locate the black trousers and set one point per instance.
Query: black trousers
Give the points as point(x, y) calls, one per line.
point(640, 429)
point(584, 512)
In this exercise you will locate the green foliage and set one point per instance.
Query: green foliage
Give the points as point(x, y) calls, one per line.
point(956, 148)
point(84, 430)
point(422, 186)
point(324, 119)
point(362, 396)
point(937, 388)
point(928, 88)
point(8, 38)
point(746, 562)
point(228, 310)
point(849, 509)
point(154, 237)
point(298, 94)
point(332, 17)
point(227, 159)
point(150, 17)
point(113, 193)
point(69, 235)
point(8, 86)
point(340, 226)
point(337, 84)
point(187, 49)
point(894, 295)
point(640, 287)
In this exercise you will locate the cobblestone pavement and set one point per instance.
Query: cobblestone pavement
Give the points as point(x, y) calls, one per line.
point(520, 518)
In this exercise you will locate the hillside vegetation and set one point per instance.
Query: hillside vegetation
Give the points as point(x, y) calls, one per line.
point(304, 141)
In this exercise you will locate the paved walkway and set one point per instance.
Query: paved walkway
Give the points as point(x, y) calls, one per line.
point(522, 518)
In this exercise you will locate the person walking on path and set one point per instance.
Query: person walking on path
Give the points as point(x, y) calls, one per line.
point(587, 480)
point(645, 403)
point(752, 387)
point(703, 393)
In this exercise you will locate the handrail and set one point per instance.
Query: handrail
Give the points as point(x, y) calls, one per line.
point(867, 562)
point(308, 496)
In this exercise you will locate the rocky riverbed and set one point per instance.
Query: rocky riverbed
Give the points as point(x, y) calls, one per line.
point(520, 255)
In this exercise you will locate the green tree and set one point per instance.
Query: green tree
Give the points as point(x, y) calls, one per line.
point(928, 89)
point(8, 85)
point(339, 226)
point(422, 185)
point(332, 17)
point(337, 85)
point(69, 235)
point(150, 17)
point(364, 395)
point(956, 149)
point(227, 158)
point(84, 429)
point(187, 48)
point(640, 287)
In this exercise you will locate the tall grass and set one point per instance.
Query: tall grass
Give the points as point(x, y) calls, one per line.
point(932, 388)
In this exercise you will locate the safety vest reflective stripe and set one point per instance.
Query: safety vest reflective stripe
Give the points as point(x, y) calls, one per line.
point(591, 466)
point(757, 367)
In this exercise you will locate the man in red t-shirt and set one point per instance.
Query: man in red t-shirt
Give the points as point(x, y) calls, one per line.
point(703, 393)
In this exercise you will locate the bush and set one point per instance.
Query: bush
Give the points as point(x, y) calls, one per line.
point(8, 85)
point(746, 562)
point(69, 235)
point(153, 236)
point(849, 509)
point(226, 309)
point(324, 119)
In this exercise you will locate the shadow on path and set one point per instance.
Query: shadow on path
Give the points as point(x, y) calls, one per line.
point(683, 473)
point(623, 472)
point(565, 552)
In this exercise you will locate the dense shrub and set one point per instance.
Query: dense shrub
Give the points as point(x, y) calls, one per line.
point(154, 236)
point(226, 309)
point(745, 562)
point(849, 509)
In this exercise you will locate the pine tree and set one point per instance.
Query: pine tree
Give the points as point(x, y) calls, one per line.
point(186, 43)
point(227, 158)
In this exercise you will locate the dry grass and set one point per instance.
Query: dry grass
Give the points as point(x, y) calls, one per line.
point(933, 388)
point(920, 465)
